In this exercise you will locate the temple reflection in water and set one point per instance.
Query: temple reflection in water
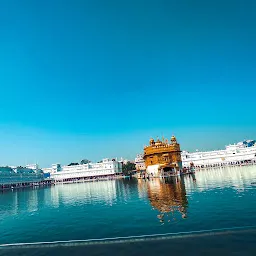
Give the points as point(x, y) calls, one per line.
point(168, 196)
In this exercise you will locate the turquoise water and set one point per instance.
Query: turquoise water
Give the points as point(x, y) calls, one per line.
point(212, 199)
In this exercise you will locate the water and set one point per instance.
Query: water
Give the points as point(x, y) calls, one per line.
point(219, 199)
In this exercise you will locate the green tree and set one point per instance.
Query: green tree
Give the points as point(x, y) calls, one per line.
point(85, 161)
point(128, 168)
point(73, 164)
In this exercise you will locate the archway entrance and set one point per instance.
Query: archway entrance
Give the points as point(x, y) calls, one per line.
point(168, 170)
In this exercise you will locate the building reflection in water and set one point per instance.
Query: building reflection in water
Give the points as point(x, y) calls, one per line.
point(82, 193)
point(168, 196)
point(235, 177)
point(33, 199)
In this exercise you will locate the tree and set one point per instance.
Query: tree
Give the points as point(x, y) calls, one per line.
point(85, 161)
point(128, 168)
point(73, 164)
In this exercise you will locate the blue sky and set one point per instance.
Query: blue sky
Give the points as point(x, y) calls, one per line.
point(93, 79)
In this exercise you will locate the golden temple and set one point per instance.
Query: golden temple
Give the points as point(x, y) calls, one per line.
point(162, 157)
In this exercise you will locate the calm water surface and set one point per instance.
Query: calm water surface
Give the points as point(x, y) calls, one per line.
point(212, 199)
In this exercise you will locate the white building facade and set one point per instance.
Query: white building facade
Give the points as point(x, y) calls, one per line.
point(105, 168)
point(32, 166)
point(140, 163)
point(233, 154)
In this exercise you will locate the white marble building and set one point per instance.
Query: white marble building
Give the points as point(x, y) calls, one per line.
point(242, 151)
point(106, 168)
point(140, 163)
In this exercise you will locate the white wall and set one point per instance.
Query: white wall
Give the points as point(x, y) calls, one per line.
point(88, 170)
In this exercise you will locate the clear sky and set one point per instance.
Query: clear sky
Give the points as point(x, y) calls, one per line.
point(93, 79)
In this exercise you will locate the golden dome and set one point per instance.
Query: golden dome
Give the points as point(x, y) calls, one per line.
point(158, 142)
